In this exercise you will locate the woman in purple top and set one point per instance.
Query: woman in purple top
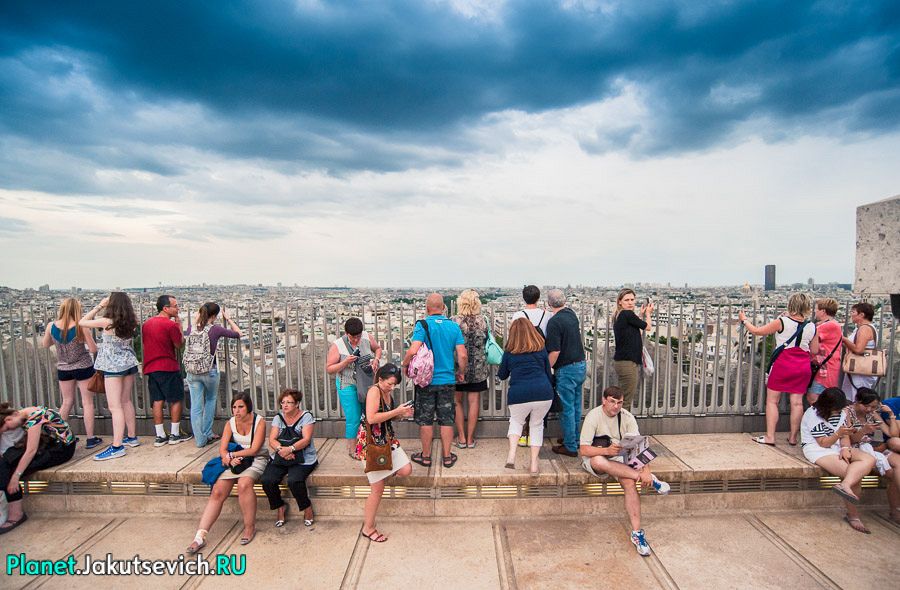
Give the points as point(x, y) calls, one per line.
point(205, 386)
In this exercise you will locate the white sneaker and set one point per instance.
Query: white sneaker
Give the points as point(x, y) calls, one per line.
point(662, 488)
point(640, 543)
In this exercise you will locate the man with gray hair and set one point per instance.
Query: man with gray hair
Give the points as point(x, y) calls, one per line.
point(567, 359)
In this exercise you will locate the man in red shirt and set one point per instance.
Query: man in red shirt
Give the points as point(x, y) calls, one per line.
point(161, 337)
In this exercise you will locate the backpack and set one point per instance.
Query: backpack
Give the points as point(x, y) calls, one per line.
point(288, 436)
point(421, 367)
point(537, 326)
point(197, 358)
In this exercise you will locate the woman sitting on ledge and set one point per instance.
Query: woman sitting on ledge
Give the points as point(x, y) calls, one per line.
point(825, 437)
point(19, 461)
point(246, 465)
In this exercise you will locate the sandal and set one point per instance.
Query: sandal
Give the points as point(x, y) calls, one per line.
point(762, 440)
point(472, 445)
point(450, 461)
point(308, 521)
point(421, 459)
point(510, 465)
point(13, 524)
point(280, 522)
point(199, 542)
point(850, 497)
point(374, 536)
point(460, 445)
point(857, 525)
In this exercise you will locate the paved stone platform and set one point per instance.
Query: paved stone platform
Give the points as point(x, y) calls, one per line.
point(748, 549)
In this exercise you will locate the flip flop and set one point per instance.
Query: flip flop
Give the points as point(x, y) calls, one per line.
point(450, 461)
point(762, 440)
point(13, 524)
point(837, 489)
point(374, 536)
point(420, 459)
point(858, 527)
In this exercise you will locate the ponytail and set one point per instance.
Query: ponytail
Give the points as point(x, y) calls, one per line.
point(206, 311)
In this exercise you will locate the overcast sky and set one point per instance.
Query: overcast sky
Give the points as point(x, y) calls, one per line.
point(430, 142)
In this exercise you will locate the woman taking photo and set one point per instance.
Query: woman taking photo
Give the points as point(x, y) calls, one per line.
point(292, 454)
point(74, 365)
point(627, 328)
point(795, 341)
point(204, 387)
point(380, 411)
point(16, 463)
point(861, 340)
point(527, 365)
point(825, 436)
point(341, 362)
point(244, 465)
point(116, 358)
point(475, 333)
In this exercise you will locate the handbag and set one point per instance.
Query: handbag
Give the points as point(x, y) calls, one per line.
point(647, 362)
point(97, 383)
point(871, 363)
point(493, 353)
point(214, 468)
point(287, 437)
point(245, 461)
point(378, 457)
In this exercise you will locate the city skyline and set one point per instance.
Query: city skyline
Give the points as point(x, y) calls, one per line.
point(457, 142)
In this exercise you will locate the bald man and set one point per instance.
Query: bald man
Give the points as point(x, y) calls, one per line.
point(444, 338)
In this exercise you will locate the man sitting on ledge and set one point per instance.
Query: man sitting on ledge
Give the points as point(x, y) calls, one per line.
point(607, 424)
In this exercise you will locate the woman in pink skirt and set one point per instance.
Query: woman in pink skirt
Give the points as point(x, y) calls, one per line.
point(795, 341)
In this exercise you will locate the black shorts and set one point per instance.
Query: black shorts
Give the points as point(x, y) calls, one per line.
point(477, 387)
point(166, 386)
point(75, 374)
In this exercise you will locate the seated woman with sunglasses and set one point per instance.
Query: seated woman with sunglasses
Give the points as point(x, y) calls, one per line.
point(380, 411)
point(245, 465)
point(293, 455)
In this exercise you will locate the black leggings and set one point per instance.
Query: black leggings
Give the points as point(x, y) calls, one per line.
point(296, 482)
point(51, 456)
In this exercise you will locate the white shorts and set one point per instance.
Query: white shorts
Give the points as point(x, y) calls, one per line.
point(814, 451)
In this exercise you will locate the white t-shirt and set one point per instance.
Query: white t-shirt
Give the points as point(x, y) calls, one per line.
point(537, 317)
point(813, 427)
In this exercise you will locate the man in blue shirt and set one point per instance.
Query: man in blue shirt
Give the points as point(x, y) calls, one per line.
point(443, 338)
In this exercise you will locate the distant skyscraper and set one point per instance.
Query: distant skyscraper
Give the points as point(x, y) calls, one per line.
point(811, 282)
point(770, 277)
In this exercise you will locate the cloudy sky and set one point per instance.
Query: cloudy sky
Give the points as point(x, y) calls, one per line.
point(442, 142)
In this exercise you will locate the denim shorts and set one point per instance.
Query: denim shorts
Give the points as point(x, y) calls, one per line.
point(816, 388)
point(75, 374)
point(130, 371)
point(434, 399)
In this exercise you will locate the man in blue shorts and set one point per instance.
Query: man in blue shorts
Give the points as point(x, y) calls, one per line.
point(443, 338)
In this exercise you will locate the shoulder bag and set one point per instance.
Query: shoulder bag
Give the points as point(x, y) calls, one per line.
point(96, 383)
point(378, 456)
point(493, 353)
point(816, 366)
point(775, 353)
point(871, 363)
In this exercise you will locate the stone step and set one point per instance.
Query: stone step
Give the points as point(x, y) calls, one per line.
point(706, 471)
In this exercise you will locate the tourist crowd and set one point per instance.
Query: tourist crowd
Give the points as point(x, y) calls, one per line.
point(847, 429)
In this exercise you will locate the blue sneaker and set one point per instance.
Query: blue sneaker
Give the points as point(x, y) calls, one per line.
point(640, 543)
point(111, 452)
point(131, 441)
point(662, 488)
point(92, 442)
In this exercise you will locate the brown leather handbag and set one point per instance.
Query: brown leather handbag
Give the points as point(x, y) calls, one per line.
point(378, 457)
point(96, 384)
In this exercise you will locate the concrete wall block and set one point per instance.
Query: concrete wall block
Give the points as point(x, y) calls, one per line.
point(878, 247)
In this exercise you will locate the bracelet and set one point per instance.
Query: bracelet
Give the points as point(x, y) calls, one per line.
point(20, 473)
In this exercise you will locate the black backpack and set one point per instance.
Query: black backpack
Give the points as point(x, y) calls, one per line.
point(288, 436)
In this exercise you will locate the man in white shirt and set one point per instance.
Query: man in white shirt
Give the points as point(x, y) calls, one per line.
point(537, 316)
point(608, 423)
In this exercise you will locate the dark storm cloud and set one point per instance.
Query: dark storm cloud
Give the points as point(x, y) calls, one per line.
point(385, 86)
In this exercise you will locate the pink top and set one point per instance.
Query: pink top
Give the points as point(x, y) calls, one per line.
point(830, 334)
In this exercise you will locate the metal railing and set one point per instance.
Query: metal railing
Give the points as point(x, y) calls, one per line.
point(706, 364)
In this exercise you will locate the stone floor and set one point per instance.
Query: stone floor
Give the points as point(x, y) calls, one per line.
point(772, 549)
